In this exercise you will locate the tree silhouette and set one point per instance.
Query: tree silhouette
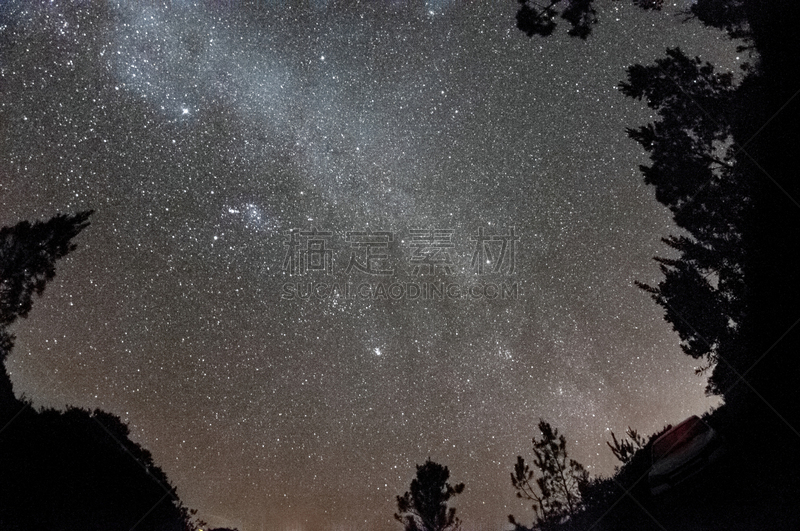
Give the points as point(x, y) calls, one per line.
point(556, 489)
point(536, 18)
point(424, 507)
point(723, 161)
point(625, 449)
point(76, 469)
point(28, 253)
point(695, 175)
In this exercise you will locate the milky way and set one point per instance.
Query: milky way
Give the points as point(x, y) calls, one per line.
point(383, 139)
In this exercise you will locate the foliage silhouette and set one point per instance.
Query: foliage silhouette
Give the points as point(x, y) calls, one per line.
point(624, 449)
point(556, 489)
point(728, 15)
point(695, 175)
point(424, 507)
point(71, 470)
point(753, 487)
point(723, 161)
point(78, 470)
point(28, 253)
point(539, 19)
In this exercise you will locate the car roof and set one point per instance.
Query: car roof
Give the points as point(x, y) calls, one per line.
point(673, 437)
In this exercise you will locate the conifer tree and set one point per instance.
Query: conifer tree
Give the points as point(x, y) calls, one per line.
point(424, 507)
point(554, 483)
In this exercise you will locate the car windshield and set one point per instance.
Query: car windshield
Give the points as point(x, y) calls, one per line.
point(678, 437)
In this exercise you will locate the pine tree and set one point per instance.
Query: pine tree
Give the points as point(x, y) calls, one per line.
point(625, 449)
point(424, 507)
point(28, 253)
point(555, 489)
point(723, 161)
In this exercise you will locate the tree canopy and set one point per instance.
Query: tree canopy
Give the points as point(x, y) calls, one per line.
point(74, 469)
point(555, 483)
point(424, 507)
point(722, 160)
point(28, 254)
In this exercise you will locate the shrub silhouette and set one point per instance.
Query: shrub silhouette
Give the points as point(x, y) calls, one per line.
point(79, 470)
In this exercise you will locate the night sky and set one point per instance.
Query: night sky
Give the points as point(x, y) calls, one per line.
point(383, 138)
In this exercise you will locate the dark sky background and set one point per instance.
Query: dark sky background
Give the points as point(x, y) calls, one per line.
point(203, 132)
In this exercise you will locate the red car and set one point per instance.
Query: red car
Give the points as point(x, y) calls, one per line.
point(682, 452)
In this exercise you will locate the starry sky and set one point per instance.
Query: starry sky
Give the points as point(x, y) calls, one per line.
point(279, 184)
